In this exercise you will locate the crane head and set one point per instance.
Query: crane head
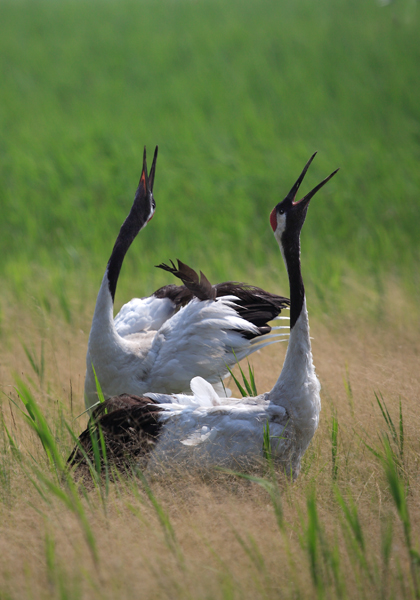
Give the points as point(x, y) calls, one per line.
point(289, 215)
point(144, 202)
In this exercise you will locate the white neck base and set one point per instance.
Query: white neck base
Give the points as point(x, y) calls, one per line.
point(297, 389)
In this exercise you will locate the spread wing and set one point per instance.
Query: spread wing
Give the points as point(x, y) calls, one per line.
point(199, 340)
point(196, 329)
point(252, 303)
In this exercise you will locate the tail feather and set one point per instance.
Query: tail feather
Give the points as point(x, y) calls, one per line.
point(199, 285)
point(251, 303)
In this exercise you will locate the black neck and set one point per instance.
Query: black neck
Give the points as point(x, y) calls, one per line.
point(291, 250)
point(127, 234)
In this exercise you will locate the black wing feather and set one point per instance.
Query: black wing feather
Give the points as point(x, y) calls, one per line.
point(130, 427)
point(253, 303)
point(199, 286)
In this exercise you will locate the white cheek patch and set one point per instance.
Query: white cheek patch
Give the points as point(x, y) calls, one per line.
point(152, 212)
point(281, 225)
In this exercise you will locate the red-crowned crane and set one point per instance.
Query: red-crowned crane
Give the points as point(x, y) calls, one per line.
point(159, 343)
point(206, 430)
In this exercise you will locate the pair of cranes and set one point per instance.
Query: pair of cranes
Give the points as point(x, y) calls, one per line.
point(160, 361)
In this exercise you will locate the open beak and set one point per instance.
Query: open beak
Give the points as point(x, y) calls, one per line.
point(147, 181)
point(144, 179)
point(305, 200)
point(153, 170)
point(292, 194)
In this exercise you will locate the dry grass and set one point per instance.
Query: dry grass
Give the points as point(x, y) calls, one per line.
point(211, 535)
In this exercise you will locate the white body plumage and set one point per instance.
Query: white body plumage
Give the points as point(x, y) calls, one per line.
point(204, 429)
point(151, 347)
point(207, 430)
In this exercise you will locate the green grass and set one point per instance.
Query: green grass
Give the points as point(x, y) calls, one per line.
point(238, 95)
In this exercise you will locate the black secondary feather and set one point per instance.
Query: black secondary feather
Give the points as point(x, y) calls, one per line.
point(130, 427)
point(253, 303)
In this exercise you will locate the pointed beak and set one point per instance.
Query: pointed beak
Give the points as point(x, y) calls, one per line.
point(144, 179)
point(292, 194)
point(153, 170)
point(306, 199)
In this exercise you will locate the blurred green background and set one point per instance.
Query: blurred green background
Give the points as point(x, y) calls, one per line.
point(237, 94)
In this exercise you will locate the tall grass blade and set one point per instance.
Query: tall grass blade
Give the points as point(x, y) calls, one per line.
point(352, 518)
point(248, 388)
point(64, 304)
point(93, 433)
point(50, 558)
point(396, 448)
point(397, 436)
point(99, 468)
point(312, 538)
point(99, 391)
point(13, 446)
point(387, 417)
point(397, 490)
point(252, 380)
point(386, 549)
point(401, 427)
point(324, 556)
point(372, 450)
point(399, 495)
point(267, 450)
point(69, 496)
point(238, 385)
point(223, 386)
point(38, 423)
point(349, 391)
point(271, 487)
point(101, 460)
point(168, 530)
point(246, 382)
point(91, 465)
point(334, 446)
point(38, 365)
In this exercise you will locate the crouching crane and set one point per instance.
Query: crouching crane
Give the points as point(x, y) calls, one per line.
point(206, 430)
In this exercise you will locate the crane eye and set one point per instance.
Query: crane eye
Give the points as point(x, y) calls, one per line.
point(281, 211)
